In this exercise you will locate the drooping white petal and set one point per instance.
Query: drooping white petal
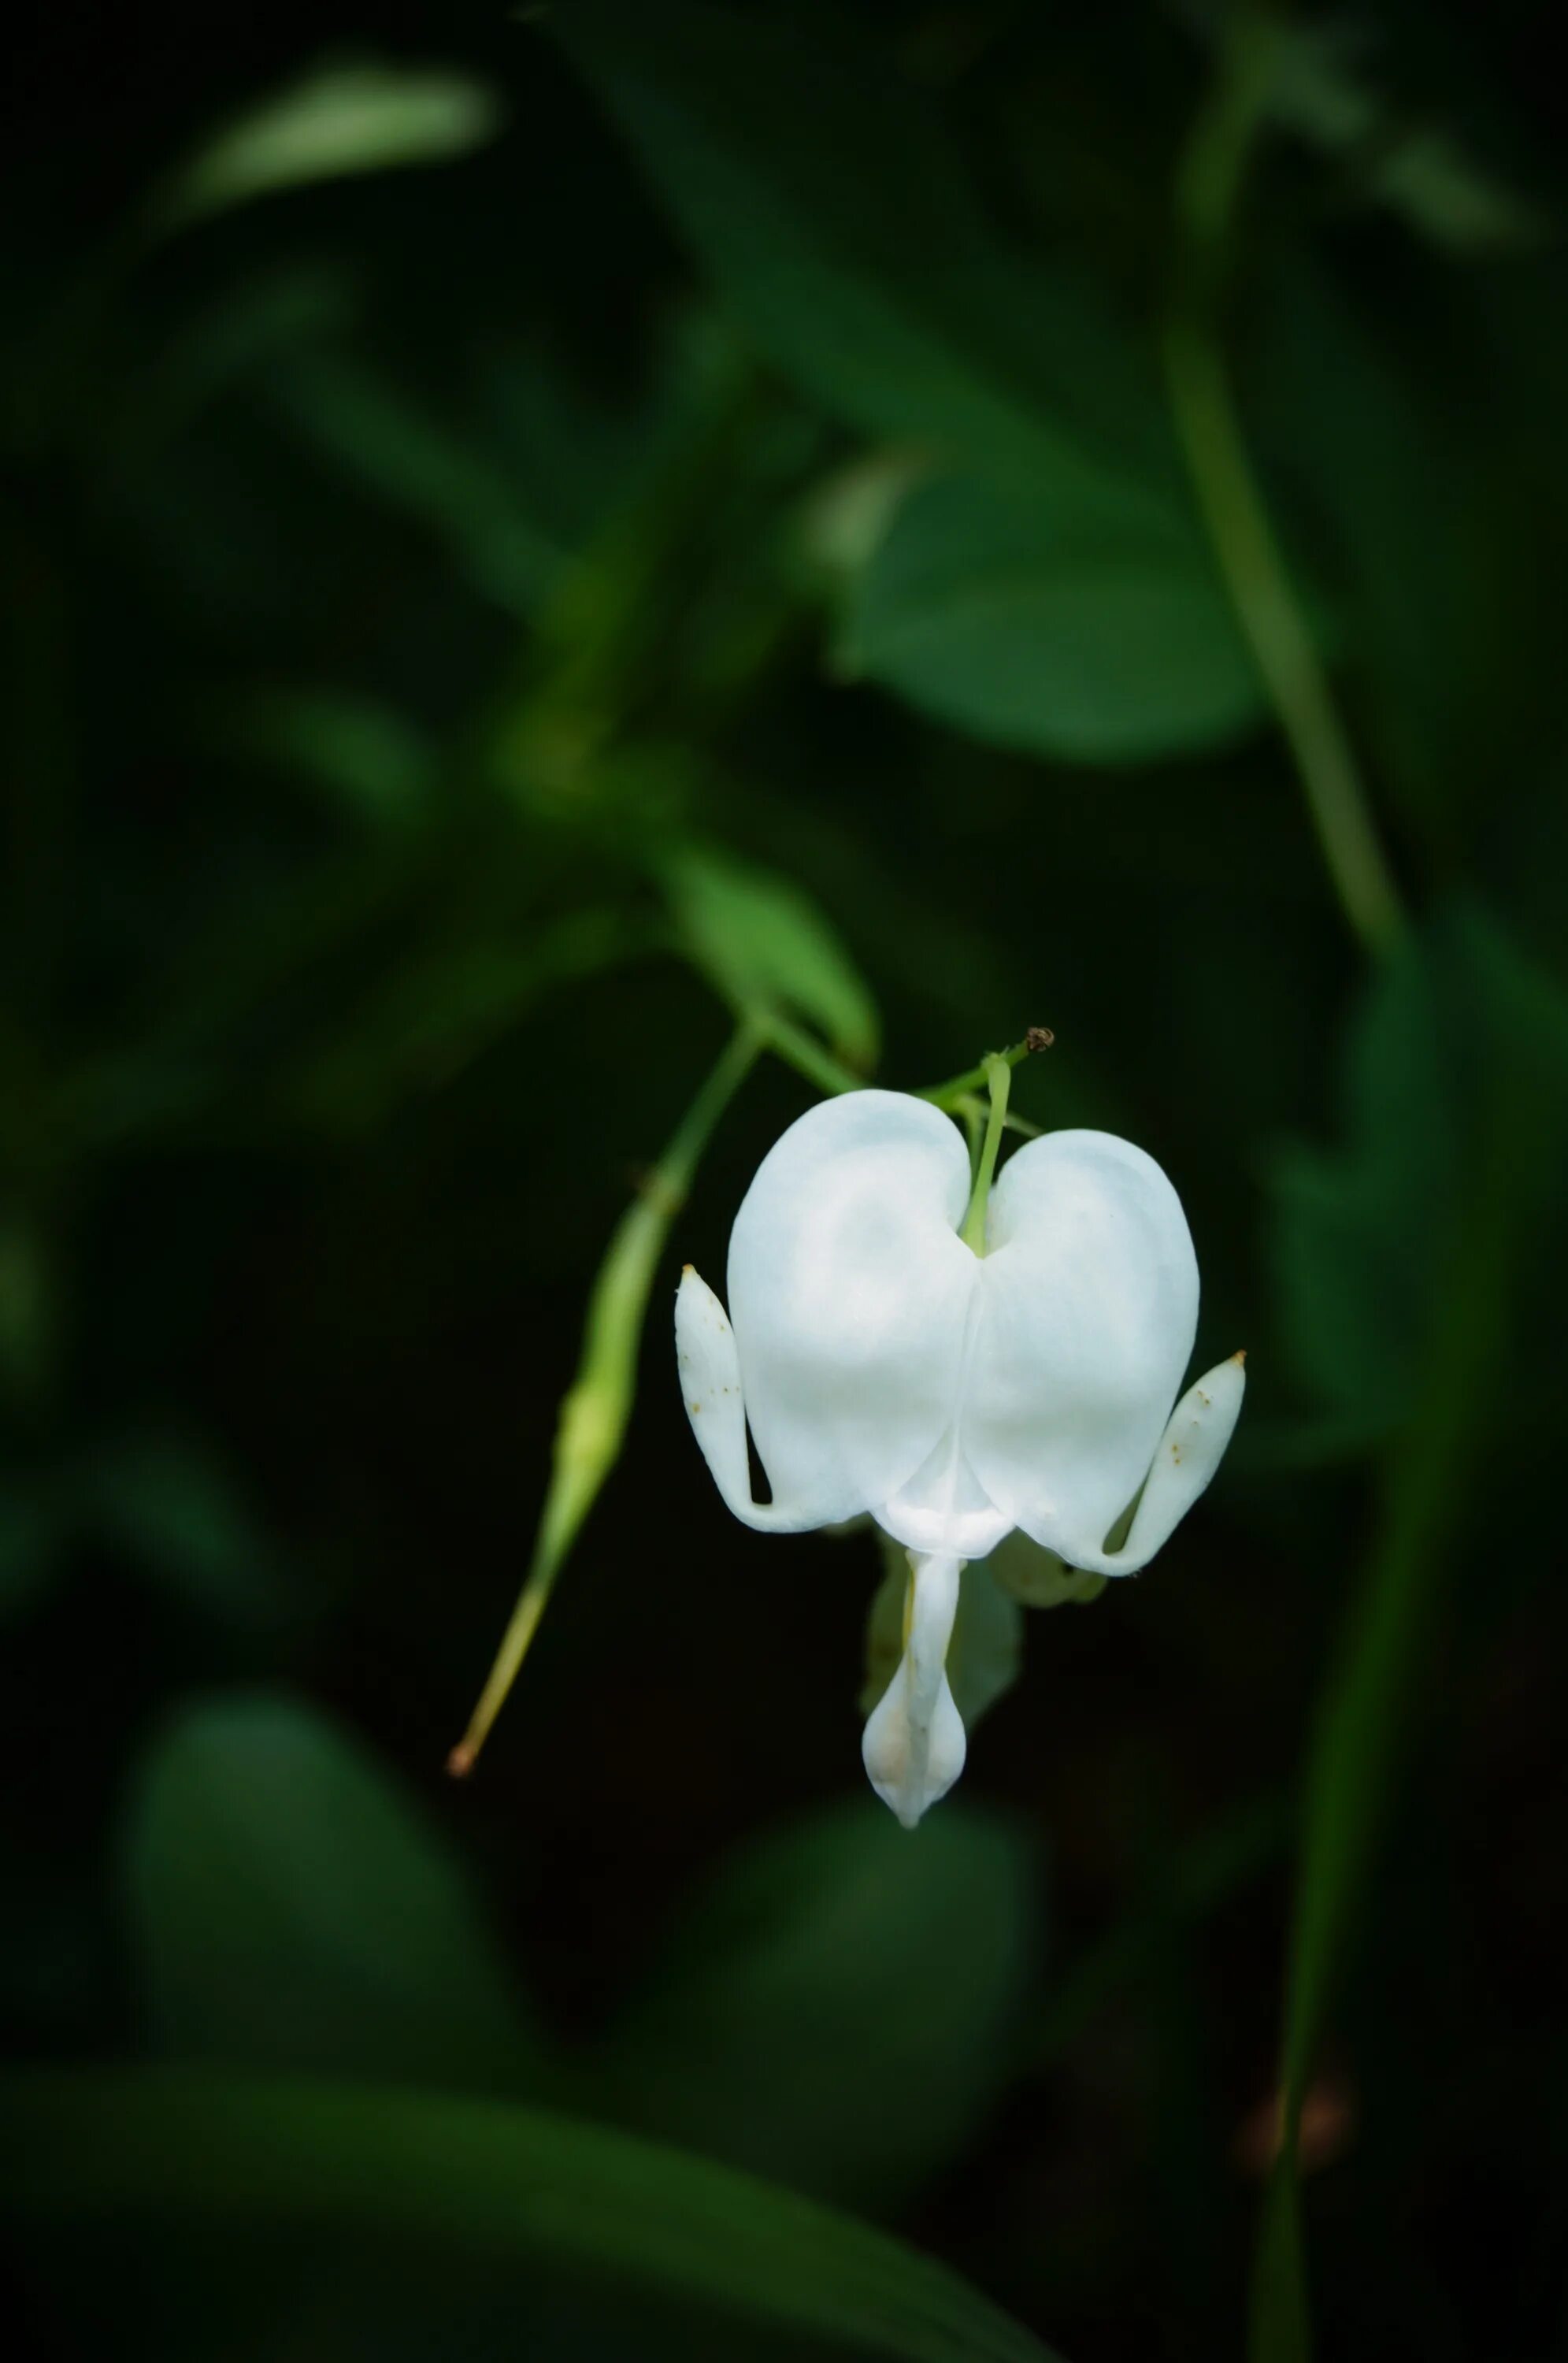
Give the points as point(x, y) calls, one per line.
point(849, 1293)
point(913, 1746)
point(711, 1387)
point(1189, 1452)
point(1087, 1313)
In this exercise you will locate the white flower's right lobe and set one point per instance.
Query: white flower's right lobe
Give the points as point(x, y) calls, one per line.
point(1089, 1312)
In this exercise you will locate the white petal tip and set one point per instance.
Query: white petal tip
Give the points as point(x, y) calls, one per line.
point(709, 1371)
point(1202, 1423)
point(1189, 1452)
point(909, 1767)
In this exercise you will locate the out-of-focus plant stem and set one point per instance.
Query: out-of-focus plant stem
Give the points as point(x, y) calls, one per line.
point(806, 1055)
point(1368, 1701)
point(594, 1415)
point(1232, 498)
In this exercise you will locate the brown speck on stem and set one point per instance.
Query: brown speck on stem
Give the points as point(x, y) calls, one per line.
point(1327, 2129)
point(461, 1762)
point(649, 1184)
point(1038, 1038)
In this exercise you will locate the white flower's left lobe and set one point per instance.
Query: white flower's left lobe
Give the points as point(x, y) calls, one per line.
point(849, 1292)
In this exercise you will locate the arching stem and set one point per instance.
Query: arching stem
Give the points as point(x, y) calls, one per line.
point(1230, 492)
point(594, 1414)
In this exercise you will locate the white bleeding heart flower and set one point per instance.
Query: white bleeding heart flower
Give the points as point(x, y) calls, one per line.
point(886, 1366)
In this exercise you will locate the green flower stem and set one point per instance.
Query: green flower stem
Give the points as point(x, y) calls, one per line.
point(1208, 195)
point(952, 1094)
point(1277, 632)
point(973, 1110)
point(998, 1077)
point(594, 1414)
point(800, 1051)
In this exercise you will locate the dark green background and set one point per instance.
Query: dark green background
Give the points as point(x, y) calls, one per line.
point(755, 456)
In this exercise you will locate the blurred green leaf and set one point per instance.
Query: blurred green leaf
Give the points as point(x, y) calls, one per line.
point(1412, 510)
point(440, 1010)
point(252, 322)
point(166, 1501)
point(1322, 89)
point(289, 1908)
point(844, 520)
point(32, 1534)
point(985, 1656)
point(28, 1311)
point(434, 472)
point(335, 119)
point(1363, 1236)
point(574, 452)
point(1185, 1887)
point(840, 2010)
point(96, 2146)
point(765, 945)
point(216, 1006)
point(369, 758)
point(1359, 1232)
point(1083, 621)
point(822, 194)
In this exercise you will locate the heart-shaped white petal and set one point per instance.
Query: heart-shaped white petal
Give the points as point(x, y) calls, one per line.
point(849, 1292)
point(1088, 1310)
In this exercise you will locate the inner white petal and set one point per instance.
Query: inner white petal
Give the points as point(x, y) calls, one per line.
point(945, 1507)
point(942, 1507)
point(913, 1743)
